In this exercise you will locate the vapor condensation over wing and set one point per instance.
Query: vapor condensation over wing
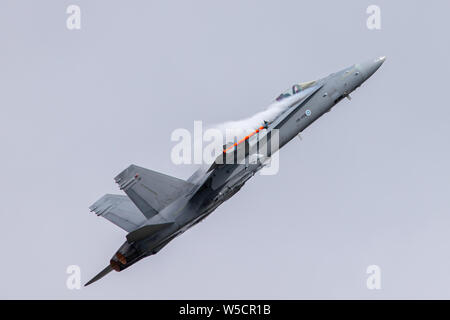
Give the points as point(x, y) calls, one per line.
point(241, 128)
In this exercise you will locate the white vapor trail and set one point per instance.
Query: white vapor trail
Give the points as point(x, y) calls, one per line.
point(240, 128)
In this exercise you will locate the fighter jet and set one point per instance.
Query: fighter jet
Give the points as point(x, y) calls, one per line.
point(157, 208)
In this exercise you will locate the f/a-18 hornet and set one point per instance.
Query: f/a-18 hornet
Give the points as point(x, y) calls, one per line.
point(157, 207)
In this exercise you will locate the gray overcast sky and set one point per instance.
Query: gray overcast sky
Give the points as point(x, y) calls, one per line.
point(369, 183)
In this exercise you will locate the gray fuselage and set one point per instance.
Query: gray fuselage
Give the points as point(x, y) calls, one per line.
point(219, 184)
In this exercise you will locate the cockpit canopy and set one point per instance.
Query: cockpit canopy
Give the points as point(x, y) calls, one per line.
point(296, 88)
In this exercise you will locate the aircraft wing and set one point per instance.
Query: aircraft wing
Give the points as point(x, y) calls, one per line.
point(120, 210)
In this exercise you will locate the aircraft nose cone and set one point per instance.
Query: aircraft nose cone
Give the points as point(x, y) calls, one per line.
point(368, 68)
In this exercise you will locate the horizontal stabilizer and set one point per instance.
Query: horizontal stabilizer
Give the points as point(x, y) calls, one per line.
point(102, 273)
point(120, 210)
point(146, 231)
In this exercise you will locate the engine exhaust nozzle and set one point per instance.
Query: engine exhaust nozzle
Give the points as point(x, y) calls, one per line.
point(121, 258)
point(115, 265)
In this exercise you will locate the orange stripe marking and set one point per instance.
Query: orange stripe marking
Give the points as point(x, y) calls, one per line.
point(243, 139)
